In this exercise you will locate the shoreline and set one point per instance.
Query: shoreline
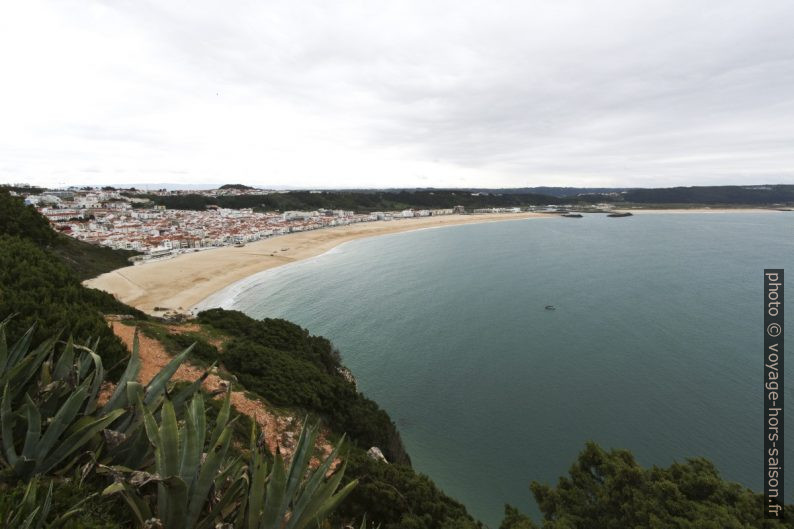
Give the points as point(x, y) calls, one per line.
point(183, 282)
point(190, 280)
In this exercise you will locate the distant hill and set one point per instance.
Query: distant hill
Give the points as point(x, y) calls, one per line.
point(736, 195)
point(393, 199)
point(555, 191)
point(241, 187)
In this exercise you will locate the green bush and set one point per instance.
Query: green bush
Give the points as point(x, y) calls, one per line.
point(396, 497)
point(609, 490)
point(39, 289)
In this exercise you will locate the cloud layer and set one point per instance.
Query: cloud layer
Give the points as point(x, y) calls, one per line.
point(379, 94)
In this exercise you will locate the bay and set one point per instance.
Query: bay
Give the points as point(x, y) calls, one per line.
point(655, 344)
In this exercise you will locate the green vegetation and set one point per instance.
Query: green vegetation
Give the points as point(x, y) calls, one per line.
point(356, 201)
point(609, 490)
point(59, 503)
point(19, 220)
point(38, 285)
point(287, 366)
point(203, 352)
point(382, 200)
point(41, 289)
point(398, 497)
point(152, 446)
point(757, 195)
point(297, 370)
point(88, 260)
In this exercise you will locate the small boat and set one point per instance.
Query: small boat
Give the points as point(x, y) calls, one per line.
point(239, 245)
point(550, 307)
point(573, 215)
point(616, 214)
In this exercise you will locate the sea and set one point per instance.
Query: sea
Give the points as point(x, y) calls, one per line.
point(500, 349)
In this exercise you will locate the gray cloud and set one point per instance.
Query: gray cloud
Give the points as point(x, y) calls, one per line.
point(404, 93)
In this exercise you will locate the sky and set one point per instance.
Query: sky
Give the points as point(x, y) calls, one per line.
point(430, 93)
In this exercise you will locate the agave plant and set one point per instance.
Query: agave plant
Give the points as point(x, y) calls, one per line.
point(131, 444)
point(46, 419)
point(294, 497)
point(193, 488)
point(62, 398)
point(198, 490)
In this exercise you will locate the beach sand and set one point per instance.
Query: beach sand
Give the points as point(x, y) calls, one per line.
point(181, 283)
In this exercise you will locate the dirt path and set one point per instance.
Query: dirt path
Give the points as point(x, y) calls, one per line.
point(280, 431)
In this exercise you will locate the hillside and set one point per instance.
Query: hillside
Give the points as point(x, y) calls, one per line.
point(276, 400)
point(109, 414)
point(296, 373)
point(389, 200)
point(88, 260)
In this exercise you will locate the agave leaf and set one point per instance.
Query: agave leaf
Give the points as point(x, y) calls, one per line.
point(169, 435)
point(130, 375)
point(209, 470)
point(61, 422)
point(76, 440)
point(200, 417)
point(24, 468)
point(152, 431)
point(135, 449)
point(157, 385)
point(223, 418)
point(188, 391)
point(24, 370)
point(98, 377)
point(191, 450)
point(21, 347)
point(131, 421)
point(300, 461)
point(276, 500)
point(319, 474)
point(321, 502)
point(332, 503)
point(34, 428)
point(230, 495)
point(7, 428)
point(256, 496)
point(3, 346)
point(176, 493)
point(65, 364)
point(315, 493)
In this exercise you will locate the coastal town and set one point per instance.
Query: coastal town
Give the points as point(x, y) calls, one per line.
point(123, 220)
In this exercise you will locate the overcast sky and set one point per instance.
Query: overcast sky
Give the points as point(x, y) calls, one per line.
point(382, 94)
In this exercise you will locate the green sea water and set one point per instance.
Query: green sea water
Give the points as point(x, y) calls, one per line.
point(655, 344)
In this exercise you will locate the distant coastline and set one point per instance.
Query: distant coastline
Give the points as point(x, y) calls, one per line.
point(183, 282)
point(188, 280)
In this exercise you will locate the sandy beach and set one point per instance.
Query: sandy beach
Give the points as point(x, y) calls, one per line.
point(184, 281)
